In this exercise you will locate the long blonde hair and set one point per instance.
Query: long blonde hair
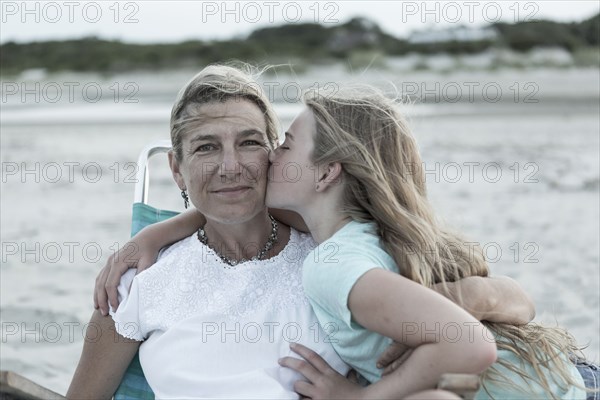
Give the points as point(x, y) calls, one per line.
point(384, 182)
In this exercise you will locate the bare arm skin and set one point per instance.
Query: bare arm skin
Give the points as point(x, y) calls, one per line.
point(495, 299)
point(141, 252)
point(325, 383)
point(104, 359)
point(289, 218)
point(390, 304)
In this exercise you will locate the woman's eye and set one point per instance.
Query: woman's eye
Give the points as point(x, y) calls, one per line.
point(251, 143)
point(205, 147)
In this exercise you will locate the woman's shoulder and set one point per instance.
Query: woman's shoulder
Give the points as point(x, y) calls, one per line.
point(296, 247)
point(302, 238)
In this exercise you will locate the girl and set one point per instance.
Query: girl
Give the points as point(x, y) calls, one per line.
point(361, 191)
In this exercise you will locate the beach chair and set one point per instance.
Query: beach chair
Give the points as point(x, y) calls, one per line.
point(134, 384)
point(16, 387)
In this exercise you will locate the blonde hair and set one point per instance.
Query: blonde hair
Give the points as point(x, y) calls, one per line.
point(384, 182)
point(219, 83)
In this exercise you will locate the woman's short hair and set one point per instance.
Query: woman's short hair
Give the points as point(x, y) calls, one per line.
point(218, 83)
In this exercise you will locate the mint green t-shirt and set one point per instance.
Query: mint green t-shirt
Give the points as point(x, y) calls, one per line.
point(331, 270)
point(329, 273)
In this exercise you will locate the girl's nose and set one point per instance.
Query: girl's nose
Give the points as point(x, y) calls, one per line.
point(271, 155)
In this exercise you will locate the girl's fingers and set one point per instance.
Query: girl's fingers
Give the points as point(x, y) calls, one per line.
point(312, 357)
point(300, 366)
point(304, 389)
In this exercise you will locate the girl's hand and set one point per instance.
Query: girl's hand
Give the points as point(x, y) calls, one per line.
point(138, 253)
point(323, 382)
point(141, 252)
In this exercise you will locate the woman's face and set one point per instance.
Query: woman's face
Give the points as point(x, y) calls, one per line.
point(292, 175)
point(225, 160)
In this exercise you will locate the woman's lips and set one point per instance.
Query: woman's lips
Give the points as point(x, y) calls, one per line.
point(233, 191)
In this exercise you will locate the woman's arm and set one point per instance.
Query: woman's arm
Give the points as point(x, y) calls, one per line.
point(104, 360)
point(445, 338)
point(141, 252)
point(495, 299)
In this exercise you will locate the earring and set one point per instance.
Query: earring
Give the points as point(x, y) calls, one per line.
point(186, 199)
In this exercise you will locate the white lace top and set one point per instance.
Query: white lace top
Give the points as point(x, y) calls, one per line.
point(213, 331)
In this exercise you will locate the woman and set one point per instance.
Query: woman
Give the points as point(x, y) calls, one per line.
point(212, 329)
point(362, 193)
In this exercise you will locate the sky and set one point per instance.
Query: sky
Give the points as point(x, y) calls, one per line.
point(161, 21)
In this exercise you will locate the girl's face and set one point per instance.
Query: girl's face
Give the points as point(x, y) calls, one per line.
point(292, 175)
point(225, 160)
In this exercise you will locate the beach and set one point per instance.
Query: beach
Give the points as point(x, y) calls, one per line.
point(517, 173)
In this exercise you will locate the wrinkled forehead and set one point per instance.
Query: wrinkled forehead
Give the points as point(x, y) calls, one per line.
point(224, 118)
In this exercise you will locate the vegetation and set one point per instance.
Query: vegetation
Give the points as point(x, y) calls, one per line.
point(312, 43)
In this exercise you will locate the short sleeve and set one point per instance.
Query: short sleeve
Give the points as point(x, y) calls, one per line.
point(127, 316)
point(328, 283)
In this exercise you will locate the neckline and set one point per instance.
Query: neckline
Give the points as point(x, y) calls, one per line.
point(340, 231)
point(250, 264)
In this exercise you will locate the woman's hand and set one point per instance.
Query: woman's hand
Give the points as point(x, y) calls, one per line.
point(140, 252)
point(392, 357)
point(323, 382)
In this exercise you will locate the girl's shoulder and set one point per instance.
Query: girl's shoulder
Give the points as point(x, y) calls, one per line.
point(356, 241)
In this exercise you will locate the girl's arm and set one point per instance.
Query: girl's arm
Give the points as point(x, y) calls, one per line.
point(289, 218)
point(495, 299)
point(445, 338)
point(104, 360)
point(141, 252)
